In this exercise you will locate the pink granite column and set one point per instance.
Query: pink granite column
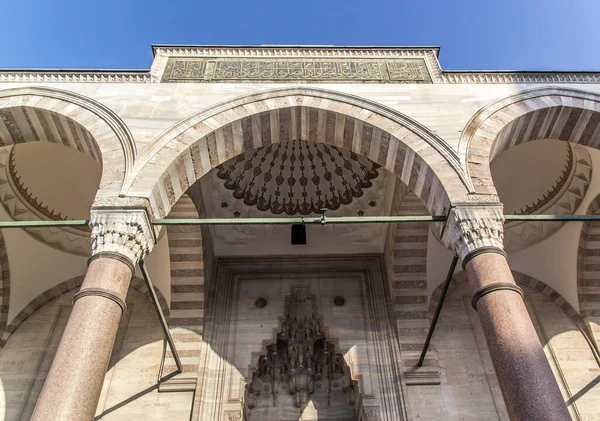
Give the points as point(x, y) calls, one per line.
point(73, 385)
point(528, 385)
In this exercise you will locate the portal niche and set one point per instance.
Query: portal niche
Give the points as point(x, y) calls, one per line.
point(302, 374)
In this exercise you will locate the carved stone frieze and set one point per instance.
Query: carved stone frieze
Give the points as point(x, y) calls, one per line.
point(201, 63)
point(470, 227)
point(413, 70)
point(127, 232)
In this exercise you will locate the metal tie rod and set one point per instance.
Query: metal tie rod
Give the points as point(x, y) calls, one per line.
point(438, 310)
point(161, 316)
point(322, 220)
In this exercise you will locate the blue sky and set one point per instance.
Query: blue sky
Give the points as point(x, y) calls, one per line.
point(484, 34)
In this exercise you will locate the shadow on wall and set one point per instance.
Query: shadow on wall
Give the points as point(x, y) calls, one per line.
point(130, 383)
point(290, 339)
point(467, 371)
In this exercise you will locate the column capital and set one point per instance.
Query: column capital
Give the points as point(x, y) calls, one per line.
point(127, 232)
point(473, 227)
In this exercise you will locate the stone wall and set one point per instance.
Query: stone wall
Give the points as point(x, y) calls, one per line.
point(130, 389)
point(469, 389)
point(245, 313)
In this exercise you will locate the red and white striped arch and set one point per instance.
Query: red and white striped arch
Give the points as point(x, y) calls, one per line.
point(190, 149)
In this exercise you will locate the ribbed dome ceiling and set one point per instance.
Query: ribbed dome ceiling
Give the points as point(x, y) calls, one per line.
point(298, 177)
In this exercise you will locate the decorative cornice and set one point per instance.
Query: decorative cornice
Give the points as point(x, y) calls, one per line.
point(469, 228)
point(124, 231)
point(291, 51)
point(73, 76)
point(429, 55)
point(439, 76)
point(511, 77)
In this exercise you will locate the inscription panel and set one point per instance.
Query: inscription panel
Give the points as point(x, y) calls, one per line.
point(277, 70)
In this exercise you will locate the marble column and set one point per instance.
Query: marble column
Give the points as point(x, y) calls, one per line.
point(528, 385)
point(120, 237)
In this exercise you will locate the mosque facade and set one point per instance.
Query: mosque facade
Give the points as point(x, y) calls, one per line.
point(285, 233)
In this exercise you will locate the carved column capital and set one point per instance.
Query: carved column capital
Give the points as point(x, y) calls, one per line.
point(473, 227)
point(126, 232)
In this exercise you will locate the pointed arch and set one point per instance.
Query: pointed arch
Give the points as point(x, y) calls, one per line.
point(541, 113)
point(191, 148)
point(77, 121)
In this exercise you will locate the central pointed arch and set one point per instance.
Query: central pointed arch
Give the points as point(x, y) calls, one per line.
point(191, 148)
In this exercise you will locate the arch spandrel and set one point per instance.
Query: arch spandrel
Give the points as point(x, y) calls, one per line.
point(542, 113)
point(115, 145)
point(191, 148)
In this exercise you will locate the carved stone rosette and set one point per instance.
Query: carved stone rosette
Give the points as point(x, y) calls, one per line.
point(126, 232)
point(471, 227)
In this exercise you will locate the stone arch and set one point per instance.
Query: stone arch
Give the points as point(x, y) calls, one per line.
point(104, 136)
point(136, 283)
point(188, 150)
point(557, 113)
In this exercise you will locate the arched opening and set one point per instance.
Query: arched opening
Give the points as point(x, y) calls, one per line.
point(50, 169)
point(558, 130)
point(246, 160)
point(184, 153)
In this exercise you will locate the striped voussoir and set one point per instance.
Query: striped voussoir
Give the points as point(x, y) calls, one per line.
point(30, 114)
point(192, 148)
point(568, 116)
point(409, 284)
point(4, 291)
point(187, 287)
point(27, 124)
point(61, 288)
point(588, 271)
